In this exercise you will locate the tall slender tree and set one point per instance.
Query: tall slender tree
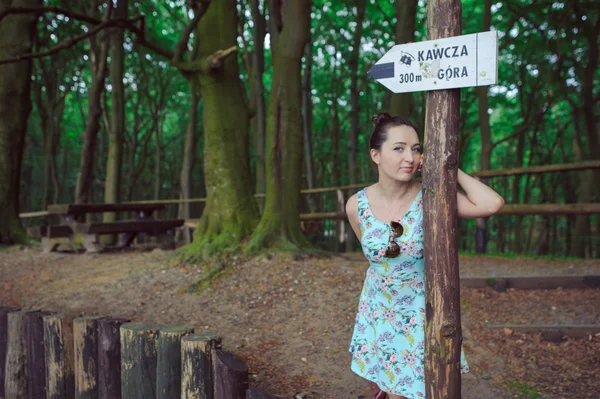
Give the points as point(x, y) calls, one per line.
point(17, 34)
point(486, 136)
point(112, 191)
point(258, 92)
point(280, 223)
point(406, 16)
point(98, 59)
point(354, 90)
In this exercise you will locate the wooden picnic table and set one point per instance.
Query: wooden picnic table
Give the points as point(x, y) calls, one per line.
point(75, 211)
point(73, 222)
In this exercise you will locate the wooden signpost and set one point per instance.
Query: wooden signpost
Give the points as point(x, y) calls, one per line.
point(449, 63)
point(441, 66)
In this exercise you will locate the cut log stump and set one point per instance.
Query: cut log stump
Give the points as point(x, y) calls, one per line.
point(231, 376)
point(85, 336)
point(4, 311)
point(59, 356)
point(15, 381)
point(138, 360)
point(36, 371)
point(109, 358)
point(197, 374)
point(168, 372)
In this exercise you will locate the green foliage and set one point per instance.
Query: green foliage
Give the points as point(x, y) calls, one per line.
point(536, 111)
point(524, 390)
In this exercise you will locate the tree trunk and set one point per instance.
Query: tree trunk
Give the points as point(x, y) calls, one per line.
point(16, 37)
point(354, 91)
point(258, 93)
point(516, 244)
point(581, 227)
point(157, 156)
point(231, 212)
point(112, 190)
point(443, 333)
point(280, 223)
point(307, 113)
point(50, 104)
point(307, 108)
point(486, 138)
point(98, 57)
point(189, 157)
point(406, 14)
point(335, 138)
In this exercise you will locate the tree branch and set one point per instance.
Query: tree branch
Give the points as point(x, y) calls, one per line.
point(71, 42)
point(53, 10)
point(207, 64)
point(128, 24)
point(185, 37)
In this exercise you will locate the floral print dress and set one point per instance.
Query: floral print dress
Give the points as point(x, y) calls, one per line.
point(388, 343)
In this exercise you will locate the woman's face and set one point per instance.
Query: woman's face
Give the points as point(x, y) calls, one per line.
point(400, 155)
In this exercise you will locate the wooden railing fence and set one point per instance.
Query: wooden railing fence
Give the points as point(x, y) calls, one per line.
point(59, 356)
point(339, 214)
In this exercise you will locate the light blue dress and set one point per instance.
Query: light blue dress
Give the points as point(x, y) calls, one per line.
point(388, 341)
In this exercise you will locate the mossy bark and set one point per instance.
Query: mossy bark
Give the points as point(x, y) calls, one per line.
point(280, 224)
point(16, 37)
point(231, 212)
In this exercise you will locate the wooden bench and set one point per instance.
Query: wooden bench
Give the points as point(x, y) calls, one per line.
point(72, 223)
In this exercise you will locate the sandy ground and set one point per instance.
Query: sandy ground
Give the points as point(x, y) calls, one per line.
point(291, 319)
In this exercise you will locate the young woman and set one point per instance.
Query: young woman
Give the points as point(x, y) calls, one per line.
point(388, 341)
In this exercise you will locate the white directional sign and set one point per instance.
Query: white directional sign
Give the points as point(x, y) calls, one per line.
point(449, 63)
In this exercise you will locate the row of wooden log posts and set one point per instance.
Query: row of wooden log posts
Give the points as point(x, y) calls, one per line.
point(58, 356)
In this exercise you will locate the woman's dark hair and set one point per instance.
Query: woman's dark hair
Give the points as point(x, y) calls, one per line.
point(383, 121)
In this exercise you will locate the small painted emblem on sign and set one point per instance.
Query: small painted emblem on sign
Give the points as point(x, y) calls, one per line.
point(406, 59)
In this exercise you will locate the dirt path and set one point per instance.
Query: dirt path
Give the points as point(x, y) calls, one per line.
point(291, 320)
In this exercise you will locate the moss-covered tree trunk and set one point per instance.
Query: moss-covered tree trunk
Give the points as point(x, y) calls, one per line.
point(280, 223)
point(16, 37)
point(112, 191)
point(231, 212)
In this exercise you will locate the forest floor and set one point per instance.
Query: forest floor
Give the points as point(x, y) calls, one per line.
point(291, 318)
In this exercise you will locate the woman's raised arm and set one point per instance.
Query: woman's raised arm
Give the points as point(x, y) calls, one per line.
point(480, 200)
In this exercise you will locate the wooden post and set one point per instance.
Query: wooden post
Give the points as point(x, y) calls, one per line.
point(109, 358)
point(168, 367)
point(231, 376)
point(15, 382)
point(36, 370)
point(197, 375)
point(340, 224)
point(4, 345)
point(138, 360)
point(443, 334)
point(85, 337)
point(59, 356)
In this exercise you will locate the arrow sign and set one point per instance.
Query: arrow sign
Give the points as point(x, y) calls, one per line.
point(449, 63)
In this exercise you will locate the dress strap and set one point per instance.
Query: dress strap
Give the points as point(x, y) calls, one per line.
point(362, 202)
